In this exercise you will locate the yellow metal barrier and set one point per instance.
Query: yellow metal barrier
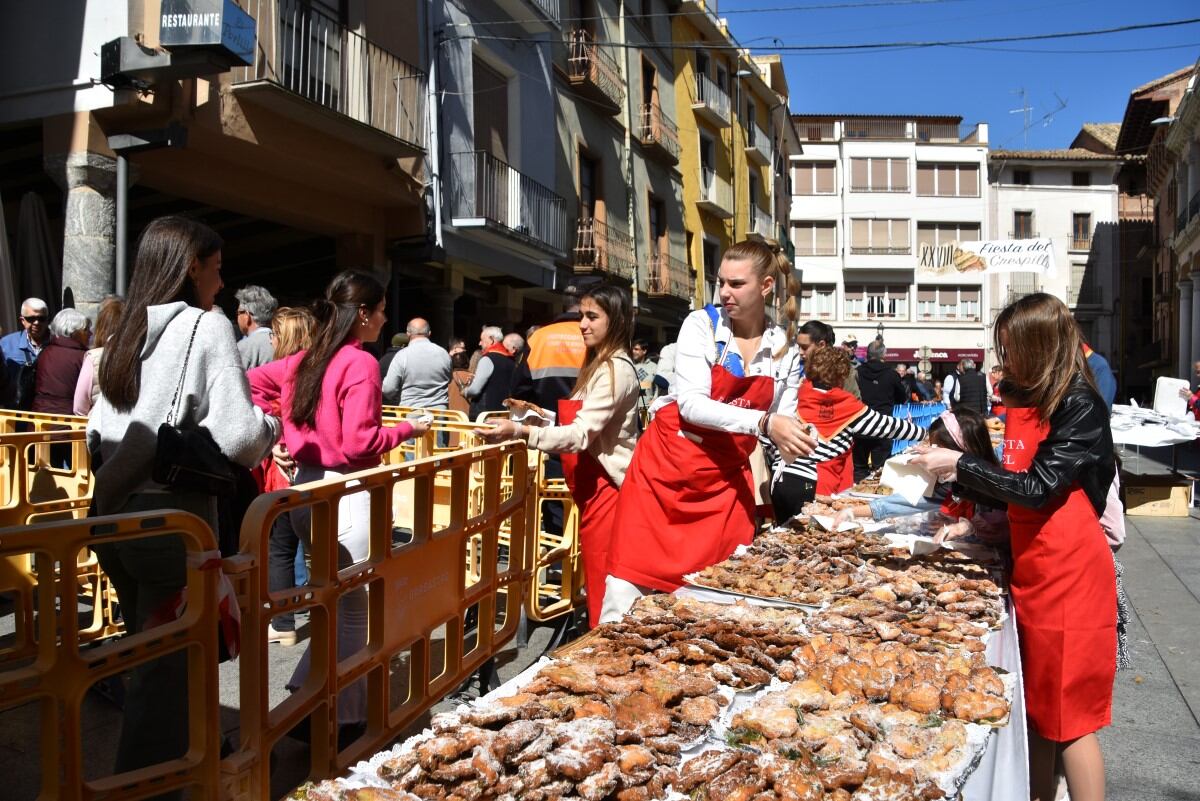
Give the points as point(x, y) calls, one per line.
point(444, 420)
point(58, 674)
point(430, 624)
point(13, 420)
point(556, 555)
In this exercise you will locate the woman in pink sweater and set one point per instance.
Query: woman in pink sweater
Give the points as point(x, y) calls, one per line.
point(331, 399)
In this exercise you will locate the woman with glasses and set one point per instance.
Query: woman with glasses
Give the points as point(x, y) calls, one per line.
point(1058, 468)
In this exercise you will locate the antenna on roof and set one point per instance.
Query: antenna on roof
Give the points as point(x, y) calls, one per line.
point(1026, 110)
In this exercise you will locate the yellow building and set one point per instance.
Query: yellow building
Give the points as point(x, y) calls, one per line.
point(729, 109)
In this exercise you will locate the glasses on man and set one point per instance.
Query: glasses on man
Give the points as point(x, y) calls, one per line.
point(34, 318)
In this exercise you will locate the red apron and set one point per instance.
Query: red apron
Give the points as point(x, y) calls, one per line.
point(595, 495)
point(686, 504)
point(1064, 589)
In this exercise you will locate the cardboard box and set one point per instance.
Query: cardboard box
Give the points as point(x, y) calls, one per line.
point(1157, 496)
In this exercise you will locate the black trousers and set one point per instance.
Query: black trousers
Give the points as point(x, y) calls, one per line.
point(789, 494)
point(872, 450)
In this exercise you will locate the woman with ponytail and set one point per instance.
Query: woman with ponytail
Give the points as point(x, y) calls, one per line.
point(598, 427)
point(688, 498)
point(331, 398)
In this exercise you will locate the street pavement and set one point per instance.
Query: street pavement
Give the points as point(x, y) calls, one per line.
point(1152, 749)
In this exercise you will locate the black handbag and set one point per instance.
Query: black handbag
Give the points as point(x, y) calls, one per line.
point(189, 459)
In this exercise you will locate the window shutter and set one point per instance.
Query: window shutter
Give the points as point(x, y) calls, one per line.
point(926, 173)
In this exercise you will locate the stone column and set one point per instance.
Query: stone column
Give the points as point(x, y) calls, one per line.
point(1194, 335)
point(440, 314)
point(89, 241)
point(1185, 328)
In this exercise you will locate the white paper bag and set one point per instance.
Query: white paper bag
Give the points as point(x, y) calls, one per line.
point(908, 481)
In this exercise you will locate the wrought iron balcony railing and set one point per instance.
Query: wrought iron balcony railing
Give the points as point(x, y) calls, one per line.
point(711, 100)
point(658, 133)
point(486, 191)
point(758, 145)
point(604, 247)
point(716, 195)
point(668, 276)
point(592, 70)
point(313, 56)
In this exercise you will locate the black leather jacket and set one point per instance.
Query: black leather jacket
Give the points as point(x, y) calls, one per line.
point(1078, 449)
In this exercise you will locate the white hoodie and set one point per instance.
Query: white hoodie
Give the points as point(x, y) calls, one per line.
point(215, 396)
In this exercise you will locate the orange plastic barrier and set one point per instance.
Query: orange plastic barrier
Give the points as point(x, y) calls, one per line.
point(431, 623)
point(58, 674)
point(445, 420)
point(557, 585)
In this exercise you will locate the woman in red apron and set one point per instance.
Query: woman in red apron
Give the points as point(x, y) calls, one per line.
point(1058, 466)
point(597, 429)
point(688, 499)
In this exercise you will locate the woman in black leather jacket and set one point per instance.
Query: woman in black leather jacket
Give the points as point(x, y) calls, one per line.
point(1058, 465)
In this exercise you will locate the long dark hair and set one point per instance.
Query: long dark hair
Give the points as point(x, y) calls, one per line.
point(165, 251)
point(618, 306)
point(336, 315)
point(976, 439)
point(1045, 351)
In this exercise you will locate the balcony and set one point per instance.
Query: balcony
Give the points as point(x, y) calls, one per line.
point(1135, 208)
point(816, 250)
point(658, 134)
point(602, 247)
point(668, 277)
point(485, 192)
point(594, 73)
point(534, 15)
point(1079, 243)
point(880, 250)
point(310, 68)
point(940, 133)
point(760, 227)
point(711, 102)
point(875, 129)
point(716, 196)
point(758, 146)
point(1024, 234)
point(816, 132)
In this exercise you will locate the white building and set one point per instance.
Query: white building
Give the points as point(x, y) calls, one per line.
point(868, 192)
point(1070, 197)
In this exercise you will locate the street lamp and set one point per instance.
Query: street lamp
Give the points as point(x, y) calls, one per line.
point(879, 332)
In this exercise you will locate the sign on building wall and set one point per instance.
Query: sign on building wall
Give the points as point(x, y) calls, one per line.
point(215, 24)
point(997, 256)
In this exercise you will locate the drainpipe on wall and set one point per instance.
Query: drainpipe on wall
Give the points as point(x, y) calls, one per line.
point(631, 204)
point(432, 117)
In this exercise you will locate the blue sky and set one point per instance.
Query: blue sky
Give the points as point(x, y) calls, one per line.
point(979, 84)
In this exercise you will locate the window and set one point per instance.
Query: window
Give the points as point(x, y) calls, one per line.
point(815, 178)
point(818, 302)
point(870, 301)
point(947, 180)
point(1022, 177)
point(1081, 178)
point(709, 254)
point(490, 103)
point(1083, 287)
point(658, 226)
point(649, 84)
point(879, 237)
point(815, 238)
point(936, 234)
point(948, 303)
point(707, 155)
point(589, 174)
point(752, 189)
point(1081, 232)
point(878, 175)
point(701, 63)
point(1023, 225)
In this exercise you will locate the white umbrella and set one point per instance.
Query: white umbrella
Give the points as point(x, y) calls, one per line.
point(8, 299)
point(39, 270)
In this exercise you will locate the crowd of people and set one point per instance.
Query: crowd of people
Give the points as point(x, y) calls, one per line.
point(298, 398)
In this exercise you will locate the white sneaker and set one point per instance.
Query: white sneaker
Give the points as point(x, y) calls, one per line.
point(281, 637)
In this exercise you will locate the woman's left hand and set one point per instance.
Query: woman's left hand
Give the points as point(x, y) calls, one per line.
point(942, 462)
point(502, 431)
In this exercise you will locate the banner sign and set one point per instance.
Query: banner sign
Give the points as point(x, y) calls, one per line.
point(996, 256)
point(911, 356)
point(216, 24)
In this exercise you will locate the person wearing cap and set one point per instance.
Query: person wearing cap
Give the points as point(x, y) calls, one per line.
point(850, 343)
point(398, 343)
point(556, 352)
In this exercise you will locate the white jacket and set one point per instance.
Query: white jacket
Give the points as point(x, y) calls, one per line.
point(215, 396)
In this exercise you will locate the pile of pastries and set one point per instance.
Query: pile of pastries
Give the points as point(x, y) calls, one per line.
point(716, 701)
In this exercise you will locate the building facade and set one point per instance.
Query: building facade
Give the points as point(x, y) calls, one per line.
point(1068, 196)
point(870, 195)
point(307, 160)
point(1183, 146)
point(728, 106)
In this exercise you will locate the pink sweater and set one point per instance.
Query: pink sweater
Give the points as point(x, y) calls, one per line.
point(349, 435)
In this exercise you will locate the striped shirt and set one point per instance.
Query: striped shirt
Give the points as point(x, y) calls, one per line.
point(869, 424)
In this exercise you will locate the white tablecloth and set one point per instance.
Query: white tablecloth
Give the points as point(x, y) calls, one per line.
point(1003, 772)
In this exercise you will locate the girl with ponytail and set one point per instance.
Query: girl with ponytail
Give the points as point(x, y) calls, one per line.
point(688, 497)
point(331, 399)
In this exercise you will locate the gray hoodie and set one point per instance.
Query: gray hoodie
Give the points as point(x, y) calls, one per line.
point(215, 396)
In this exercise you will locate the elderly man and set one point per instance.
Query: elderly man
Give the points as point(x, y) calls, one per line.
point(493, 373)
point(255, 308)
point(21, 350)
point(419, 375)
